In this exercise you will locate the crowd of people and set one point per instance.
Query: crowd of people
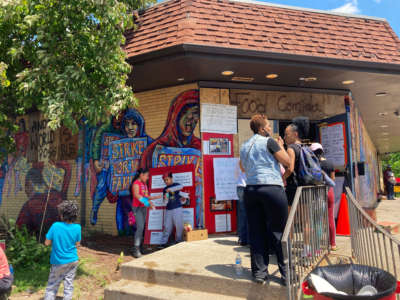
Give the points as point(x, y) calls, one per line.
point(267, 187)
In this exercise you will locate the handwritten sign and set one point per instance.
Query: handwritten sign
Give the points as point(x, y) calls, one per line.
point(124, 157)
point(226, 172)
point(333, 142)
point(223, 223)
point(185, 178)
point(156, 217)
point(218, 118)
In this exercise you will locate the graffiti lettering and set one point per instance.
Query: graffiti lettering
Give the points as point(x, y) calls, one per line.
point(121, 183)
point(68, 146)
point(125, 150)
point(125, 155)
point(301, 106)
point(251, 106)
point(167, 160)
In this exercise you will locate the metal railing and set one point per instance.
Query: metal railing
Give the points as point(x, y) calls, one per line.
point(306, 236)
point(371, 244)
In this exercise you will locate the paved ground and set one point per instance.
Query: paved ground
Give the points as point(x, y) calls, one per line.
point(389, 210)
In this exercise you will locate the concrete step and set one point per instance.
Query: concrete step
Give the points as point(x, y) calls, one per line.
point(137, 290)
point(204, 266)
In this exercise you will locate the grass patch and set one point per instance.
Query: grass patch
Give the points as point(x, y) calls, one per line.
point(33, 280)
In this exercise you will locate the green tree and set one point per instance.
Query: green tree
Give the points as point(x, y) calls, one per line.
point(392, 159)
point(65, 59)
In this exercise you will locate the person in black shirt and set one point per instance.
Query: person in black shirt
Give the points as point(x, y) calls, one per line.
point(294, 134)
point(329, 169)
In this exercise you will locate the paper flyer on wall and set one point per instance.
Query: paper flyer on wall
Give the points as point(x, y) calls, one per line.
point(185, 178)
point(226, 173)
point(156, 217)
point(156, 237)
point(218, 118)
point(223, 223)
point(333, 142)
point(157, 182)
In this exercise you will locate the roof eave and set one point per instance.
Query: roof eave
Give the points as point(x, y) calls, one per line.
point(274, 57)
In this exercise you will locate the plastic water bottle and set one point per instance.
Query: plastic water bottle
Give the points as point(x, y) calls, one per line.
point(238, 265)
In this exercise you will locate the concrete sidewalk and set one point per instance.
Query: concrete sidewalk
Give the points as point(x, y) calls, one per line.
point(195, 270)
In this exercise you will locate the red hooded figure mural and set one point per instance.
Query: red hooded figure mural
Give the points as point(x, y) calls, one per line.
point(183, 117)
point(177, 144)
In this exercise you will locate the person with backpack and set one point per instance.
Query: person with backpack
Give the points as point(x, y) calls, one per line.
point(329, 169)
point(304, 169)
point(264, 196)
point(294, 135)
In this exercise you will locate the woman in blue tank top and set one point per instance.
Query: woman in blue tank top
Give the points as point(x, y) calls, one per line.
point(264, 196)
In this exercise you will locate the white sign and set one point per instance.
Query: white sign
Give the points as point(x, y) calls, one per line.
point(223, 223)
point(185, 178)
point(218, 118)
point(155, 219)
point(332, 140)
point(188, 216)
point(157, 182)
point(226, 173)
point(156, 238)
point(159, 202)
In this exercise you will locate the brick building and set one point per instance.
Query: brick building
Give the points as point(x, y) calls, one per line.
point(342, 71)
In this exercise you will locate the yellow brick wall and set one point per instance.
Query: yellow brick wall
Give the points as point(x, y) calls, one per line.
point(154, 106)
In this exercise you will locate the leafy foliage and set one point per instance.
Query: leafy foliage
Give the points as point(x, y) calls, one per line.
point(392, 159)
point(24, 251)
point(65, 59)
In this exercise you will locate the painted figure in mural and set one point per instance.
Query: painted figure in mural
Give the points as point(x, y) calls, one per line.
point(18, 163)
point(83, 157)
point(133, 128)
point(105, 133)
point(39, 179)
point(129, 126)
point(177, 145)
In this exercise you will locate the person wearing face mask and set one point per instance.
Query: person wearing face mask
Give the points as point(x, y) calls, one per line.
point(264, 196)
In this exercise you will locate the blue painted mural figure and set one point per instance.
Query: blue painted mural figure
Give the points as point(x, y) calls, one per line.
point(116, 154)
point(177, 144)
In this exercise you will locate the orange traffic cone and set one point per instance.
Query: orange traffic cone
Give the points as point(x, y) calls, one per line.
point(343, 224)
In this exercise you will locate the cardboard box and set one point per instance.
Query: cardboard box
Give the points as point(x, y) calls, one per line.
point(195, 235)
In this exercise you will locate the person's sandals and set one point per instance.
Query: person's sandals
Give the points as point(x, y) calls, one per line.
point(334, 248)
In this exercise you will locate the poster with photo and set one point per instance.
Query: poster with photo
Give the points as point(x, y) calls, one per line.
point(219, 146)
point(226, 205)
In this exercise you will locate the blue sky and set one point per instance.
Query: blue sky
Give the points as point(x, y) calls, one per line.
point(388, 9)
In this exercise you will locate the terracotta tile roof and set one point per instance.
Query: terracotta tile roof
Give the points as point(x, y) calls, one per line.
point(261, 27)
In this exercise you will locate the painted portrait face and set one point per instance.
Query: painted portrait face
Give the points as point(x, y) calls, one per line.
point(189, 120)
point(131, 128)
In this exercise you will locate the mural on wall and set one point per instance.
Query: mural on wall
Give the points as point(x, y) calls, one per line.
point(104, 157)
point(363, 150)
point(22, 176)
point(117, 149)
point(178, 145)
point(44, 181)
